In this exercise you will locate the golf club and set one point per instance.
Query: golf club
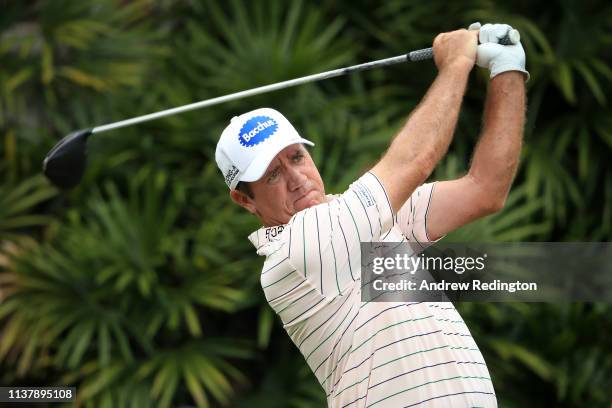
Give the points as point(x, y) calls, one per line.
point(65, 163)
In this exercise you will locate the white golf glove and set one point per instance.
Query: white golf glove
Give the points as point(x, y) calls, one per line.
point(496, 57)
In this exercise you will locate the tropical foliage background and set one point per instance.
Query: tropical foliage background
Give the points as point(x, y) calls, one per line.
point(139, 286)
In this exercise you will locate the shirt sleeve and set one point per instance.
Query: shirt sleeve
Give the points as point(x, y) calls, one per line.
point(412, 217)
point(325, 239)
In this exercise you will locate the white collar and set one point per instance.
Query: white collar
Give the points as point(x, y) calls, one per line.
point(266, 235)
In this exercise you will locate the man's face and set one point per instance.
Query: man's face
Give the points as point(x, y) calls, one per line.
point(290, 184)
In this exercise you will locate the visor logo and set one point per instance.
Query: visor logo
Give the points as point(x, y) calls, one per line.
point(231, 175)
point(256, 130)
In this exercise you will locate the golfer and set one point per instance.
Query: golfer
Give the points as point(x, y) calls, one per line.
point(380, 354)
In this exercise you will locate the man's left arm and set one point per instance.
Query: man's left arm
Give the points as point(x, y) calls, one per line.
point(484, 189)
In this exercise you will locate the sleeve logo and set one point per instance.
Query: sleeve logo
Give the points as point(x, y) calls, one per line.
point(364, 195)
point(256, 130)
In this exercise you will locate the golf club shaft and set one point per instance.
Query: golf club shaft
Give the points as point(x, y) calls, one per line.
point(511, 37)
point(418, 55)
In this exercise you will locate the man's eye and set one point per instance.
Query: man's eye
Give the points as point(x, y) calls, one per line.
point(298, 157)
point(274, 175)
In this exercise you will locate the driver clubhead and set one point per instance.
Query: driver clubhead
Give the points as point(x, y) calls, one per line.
point(65, 164)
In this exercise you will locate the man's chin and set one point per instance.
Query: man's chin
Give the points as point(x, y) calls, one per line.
point(302, 206)
point(309, 200)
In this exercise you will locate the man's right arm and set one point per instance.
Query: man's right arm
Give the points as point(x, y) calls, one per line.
point(425, 137)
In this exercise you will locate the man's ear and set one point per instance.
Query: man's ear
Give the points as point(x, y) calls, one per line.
point(243, 200)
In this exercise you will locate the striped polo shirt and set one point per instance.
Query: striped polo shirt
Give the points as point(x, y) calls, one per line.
point(367, 354)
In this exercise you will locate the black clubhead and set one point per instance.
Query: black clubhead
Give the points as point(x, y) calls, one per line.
point(65, 163)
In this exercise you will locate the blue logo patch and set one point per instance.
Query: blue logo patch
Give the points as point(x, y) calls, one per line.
point(256, 130)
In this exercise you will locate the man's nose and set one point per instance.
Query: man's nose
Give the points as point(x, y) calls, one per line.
point(295, 179)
